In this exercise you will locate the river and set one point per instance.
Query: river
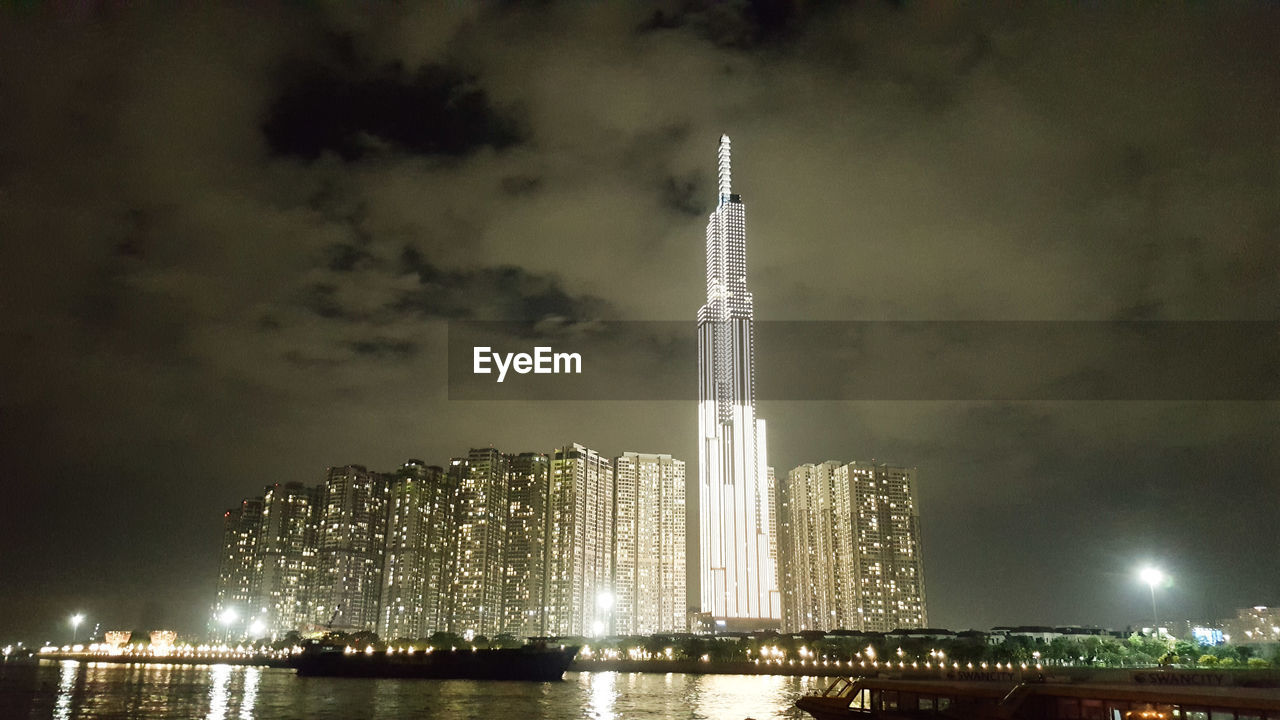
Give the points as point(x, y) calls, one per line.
point(71, 689)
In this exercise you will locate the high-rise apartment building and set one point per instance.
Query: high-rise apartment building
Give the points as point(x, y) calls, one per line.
point(786, 549)
point(411, 520)
point(850, 548)
point(286, 563)
point(580, 542)
point(886, 546)
point(237, 588)
point(524, 585)
point(479, 543)
point(820, 576)
point(442, 532)
point(737, 575)
point(351, 542)
point(649, 546)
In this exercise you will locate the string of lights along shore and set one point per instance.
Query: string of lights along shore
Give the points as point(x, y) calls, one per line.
point(574, 542)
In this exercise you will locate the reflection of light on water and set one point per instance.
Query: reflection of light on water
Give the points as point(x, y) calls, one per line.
point(733, 697)
point(250, 693)
point(218, 691)
point(602, 694)
point(66, 683)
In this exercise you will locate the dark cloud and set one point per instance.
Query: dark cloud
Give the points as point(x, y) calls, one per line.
point(353, 113)
point(740, 24)
point(386, 347)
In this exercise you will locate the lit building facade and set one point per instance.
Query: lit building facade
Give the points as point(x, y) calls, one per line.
point(238, 577)
point(737, 576)
point(286, 565)
point(1252, 626)
point(350, 548)
point(524, 586)
point(411, 519)
point(479, 542)
point(579, 542)
point(442, 496)
point(850, 548)
point(820, 595)
point(649, 545)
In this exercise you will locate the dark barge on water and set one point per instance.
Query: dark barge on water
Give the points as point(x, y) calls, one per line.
point(1150, 695)
point(537, 661)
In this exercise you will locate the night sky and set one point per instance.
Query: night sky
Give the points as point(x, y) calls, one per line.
point(233, 237)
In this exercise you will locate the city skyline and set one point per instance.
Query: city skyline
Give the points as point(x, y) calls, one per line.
point(568, 543)
point(225, 274)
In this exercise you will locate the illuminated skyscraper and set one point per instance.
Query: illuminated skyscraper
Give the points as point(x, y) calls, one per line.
point(649, 555)
point(738, 579)
point(524, 567)
point(287, 556)
point(579, 542)
point(886, 554)
point(237, 568)
point(820, 595)
point(351, 540)
point(411, 520)
point(851, 549)
point(479, 542)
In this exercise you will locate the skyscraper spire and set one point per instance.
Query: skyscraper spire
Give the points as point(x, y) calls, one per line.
point(726, 183)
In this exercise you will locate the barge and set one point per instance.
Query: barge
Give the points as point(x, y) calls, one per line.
point(537, 662)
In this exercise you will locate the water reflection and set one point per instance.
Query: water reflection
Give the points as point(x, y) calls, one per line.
point(66, 683)
point(737, 696)
point(69, 690)
point(220, 679)
point(249, 695)
point(603, 694)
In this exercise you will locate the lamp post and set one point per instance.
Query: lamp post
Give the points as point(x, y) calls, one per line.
point(1152, 577)
point(75, 626)
point(228, 617)
point(604, 603)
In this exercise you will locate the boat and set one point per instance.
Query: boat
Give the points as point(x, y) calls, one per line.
point(537, 662)
point(1146, 696)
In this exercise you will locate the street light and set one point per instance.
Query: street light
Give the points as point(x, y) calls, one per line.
point(1152, 577)
point(227, 618)
point(75, 626)
point(604, 603)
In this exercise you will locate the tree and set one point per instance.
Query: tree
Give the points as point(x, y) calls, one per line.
point(442, 639)
point(1225, 652)
point(1208, 660)
point(364, 638)
point(1186, 650)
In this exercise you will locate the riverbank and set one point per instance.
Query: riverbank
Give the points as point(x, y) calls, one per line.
point(176, 659)
point(1150, 676)
point(701, 667)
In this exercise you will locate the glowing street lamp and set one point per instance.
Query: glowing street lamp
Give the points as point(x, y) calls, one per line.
point(604, 603)
point(1152, 577)
point(75, 626)
point(228, 618)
